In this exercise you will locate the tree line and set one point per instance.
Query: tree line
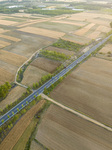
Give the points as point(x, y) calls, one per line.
point(4, 90)
point(67, 45)
point(54, 55)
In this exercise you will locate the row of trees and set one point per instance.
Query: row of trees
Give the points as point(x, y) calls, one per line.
point(54, 55)
point(51, 12)
point(4, 90)
point(42, 81)
point(67, 45)
point(8, 125)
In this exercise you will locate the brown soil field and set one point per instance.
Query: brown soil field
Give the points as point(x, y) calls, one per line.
point(13, 95)
point(12, 58)
point(62, 130)
point(32, 75)
point(103, 29)
point(66, 52)
point(71, 23)
point(6, 22)
point(45, 64)
point(17, 131)
point(21, 144)
point(43, 32)
point(11, 68)
point(94, 35)
point(88, 90)
point(36, 146)
point(82, 31)
point(6, 76)
point(107, 48)
point(10, 38)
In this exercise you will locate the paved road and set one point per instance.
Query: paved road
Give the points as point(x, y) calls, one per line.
point(77, 113)
point(40, 90)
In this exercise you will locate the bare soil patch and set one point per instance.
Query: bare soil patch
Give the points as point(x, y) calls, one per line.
point(88, 90)
point(61, 130)
point(17, 131)
point(66, 52)
point(94, 35)
point(32, 75)
point(13, 95)
point(12, 58)
point(45, 64)
point(2, 30)
point(44, 32)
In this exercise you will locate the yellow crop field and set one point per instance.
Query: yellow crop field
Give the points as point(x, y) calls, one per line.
point(12, 58)
point(43, 32)
point(4, 44)
point(6, 22)
point(68, 22)
point(102, 28)
point(84, 30)
point(10, 38)
point(94, 35)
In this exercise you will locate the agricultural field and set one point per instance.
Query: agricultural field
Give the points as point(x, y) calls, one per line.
point(63, 130)
point(13, 95)
point(17, 131)
point(88, 90)
point(38, 68)
point(36, 146)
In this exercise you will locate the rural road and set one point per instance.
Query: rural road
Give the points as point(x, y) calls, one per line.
point(40, 90)
point(76, 113)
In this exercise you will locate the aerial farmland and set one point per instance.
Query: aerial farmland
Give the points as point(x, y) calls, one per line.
point(38, 41)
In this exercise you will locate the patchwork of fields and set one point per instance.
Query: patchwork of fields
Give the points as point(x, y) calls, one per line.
point(88, 90)
point(63, 130)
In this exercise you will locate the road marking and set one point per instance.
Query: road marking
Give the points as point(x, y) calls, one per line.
point(77, 113)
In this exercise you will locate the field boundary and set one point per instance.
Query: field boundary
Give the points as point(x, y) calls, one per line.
point(77, 113)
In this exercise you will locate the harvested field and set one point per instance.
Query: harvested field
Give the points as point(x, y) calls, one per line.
point(88, 90)
point(29, 43)
point(17, 131)
point(4, 44)
point(32, 22)
point(76, 39)
point(36, 146)
point(20, 145)
point(3, 31)
point(94, 35)
point(107, 48)
point(10, 38)
point(7, 66)
point(12, 58)
point(6, 22)
point(13, 95)
point(71, 23)
point(32, 75)
point(43, 32)
point(103, 29)
point(61, 130)
point(55, 26)
point(6, 76)
point(84, 30)
point(45, 64)
point(64, 51)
